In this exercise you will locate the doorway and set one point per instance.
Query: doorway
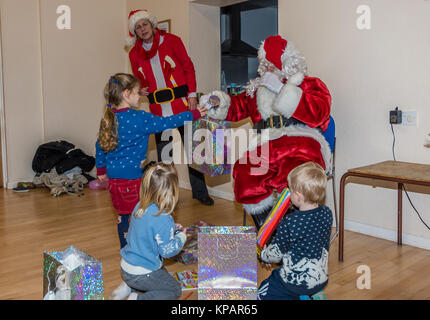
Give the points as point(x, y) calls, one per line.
point(243, 27)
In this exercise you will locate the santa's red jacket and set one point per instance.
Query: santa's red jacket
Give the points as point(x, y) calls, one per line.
point(309, 102)
point(170, 49)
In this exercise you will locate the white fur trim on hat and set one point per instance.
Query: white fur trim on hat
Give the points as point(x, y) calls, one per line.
point(292, 61)
point(134, 18)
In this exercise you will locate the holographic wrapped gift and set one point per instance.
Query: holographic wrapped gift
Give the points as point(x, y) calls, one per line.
point(189, 252)
point(227, 264)
point(71, 275)
point(211, 147)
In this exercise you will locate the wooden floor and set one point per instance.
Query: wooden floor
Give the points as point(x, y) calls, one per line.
point(34, 222)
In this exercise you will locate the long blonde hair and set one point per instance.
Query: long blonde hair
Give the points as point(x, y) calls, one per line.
point(160, 185)
point(108, 132)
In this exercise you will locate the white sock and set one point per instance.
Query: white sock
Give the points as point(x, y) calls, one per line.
point(132, 296)
point(121, 292)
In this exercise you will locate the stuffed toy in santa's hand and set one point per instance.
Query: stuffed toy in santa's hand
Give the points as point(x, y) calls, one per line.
point(294, 107)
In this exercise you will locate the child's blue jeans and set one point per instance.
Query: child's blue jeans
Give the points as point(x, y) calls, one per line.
point(157, 285)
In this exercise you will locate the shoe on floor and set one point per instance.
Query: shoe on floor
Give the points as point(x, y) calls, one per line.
point(28, 185)
point(207, 201)
point(121, 292)
point(21, 189)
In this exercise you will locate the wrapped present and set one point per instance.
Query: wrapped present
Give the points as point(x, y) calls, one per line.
point(273, 219)
point(210, 147)
point(188, 255)
point(71, 275)
point(227, 266)
point(187, 279)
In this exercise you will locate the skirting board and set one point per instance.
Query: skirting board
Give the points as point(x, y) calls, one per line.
point(387, 234)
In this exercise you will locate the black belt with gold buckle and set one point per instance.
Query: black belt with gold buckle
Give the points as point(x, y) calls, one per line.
point(276, 122)
point(167, 95)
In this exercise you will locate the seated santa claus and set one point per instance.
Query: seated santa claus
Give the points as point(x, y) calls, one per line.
point(293, 107)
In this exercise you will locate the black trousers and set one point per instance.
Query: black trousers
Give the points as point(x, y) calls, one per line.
point(197, 179)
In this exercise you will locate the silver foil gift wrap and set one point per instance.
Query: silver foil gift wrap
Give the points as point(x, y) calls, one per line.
point(72, 275)
point(227, 264)
point(210, 147)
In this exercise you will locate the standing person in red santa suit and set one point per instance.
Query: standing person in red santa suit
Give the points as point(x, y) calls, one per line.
point(294, 107)
point(167, 76)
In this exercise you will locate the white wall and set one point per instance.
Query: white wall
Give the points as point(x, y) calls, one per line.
point(369, 72)
point(23, 109)
point(77, 64)
point(54, 79)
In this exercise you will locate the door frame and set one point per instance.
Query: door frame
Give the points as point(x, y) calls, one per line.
point(3, 176)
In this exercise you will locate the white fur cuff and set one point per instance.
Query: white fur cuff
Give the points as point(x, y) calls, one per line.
point(260, 207)
point(287, 100)
point(220, 112)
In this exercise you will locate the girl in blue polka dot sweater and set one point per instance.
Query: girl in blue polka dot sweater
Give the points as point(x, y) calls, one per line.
point(302, 239)
point(123, 141)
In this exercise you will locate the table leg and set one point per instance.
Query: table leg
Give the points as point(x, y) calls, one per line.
point(341, 214)
point(399, 213)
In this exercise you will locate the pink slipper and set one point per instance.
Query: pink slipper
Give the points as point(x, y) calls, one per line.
point(98, 184)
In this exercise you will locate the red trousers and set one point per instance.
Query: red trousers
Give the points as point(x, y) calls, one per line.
point(124, 194)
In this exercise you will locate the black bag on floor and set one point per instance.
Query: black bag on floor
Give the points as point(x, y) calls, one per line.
point(49, 154)
point(75, 158)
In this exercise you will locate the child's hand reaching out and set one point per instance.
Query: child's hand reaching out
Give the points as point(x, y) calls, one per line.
point(103, 177)
point(179, 227)
point(203, 111)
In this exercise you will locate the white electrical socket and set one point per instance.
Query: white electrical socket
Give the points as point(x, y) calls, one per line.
point(409, 118)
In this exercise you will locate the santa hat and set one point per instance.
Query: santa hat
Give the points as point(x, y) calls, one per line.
point(272, 50)
point(283, 55)
point(133, 18)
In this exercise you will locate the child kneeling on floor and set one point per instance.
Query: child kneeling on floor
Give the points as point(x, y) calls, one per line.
point(152, 236)
point(302, 240)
